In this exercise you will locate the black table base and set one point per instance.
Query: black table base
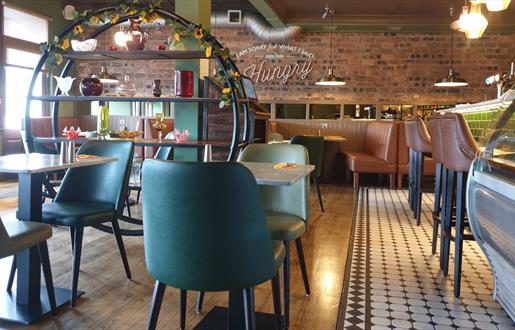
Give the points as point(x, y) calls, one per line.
point(27, 314)
point(216, 319)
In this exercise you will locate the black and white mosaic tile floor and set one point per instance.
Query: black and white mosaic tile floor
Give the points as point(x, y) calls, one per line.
point(393, 280)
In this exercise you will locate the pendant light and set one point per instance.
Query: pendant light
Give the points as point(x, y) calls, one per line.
point(496, 5)
point(471, 21)
point(330, 79)
point(452, 79)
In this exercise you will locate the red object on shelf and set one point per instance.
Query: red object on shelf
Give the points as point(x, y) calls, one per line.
point(161, 47)
point(112, 48)
point(184, 83)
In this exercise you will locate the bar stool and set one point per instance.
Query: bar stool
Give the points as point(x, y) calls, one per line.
point(419, 144)
point(435, 131)
point(459, 150)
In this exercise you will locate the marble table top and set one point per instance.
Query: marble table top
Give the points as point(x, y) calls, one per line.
point(266, 174)
point(43, 163)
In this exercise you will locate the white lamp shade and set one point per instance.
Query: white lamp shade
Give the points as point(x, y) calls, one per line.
point(497, 5)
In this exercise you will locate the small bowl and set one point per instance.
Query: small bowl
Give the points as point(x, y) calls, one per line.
point(84, 46)
point(181, 137)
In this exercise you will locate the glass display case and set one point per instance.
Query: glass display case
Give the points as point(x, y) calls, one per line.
point(491, 194)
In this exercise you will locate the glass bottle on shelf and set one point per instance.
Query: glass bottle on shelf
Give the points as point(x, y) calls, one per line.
point(103, 121)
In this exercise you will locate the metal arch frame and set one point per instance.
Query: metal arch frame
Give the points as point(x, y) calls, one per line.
point(235, 145)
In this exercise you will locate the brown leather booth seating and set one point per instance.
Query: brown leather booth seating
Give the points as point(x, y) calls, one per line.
point(403, 160)
point(379, 154)
point(459, 150)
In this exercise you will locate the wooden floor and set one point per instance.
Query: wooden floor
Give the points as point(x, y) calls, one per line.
point(113, 302)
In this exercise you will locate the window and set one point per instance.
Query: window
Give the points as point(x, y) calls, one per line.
point(23, 31)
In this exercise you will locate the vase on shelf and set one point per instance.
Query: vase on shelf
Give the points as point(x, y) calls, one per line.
point(156, 91)
point(184, 83)
point(103, 121)
point(135, 37)
point(159, 125)
point(126, 87)
point(91, 86)
point(64, 84)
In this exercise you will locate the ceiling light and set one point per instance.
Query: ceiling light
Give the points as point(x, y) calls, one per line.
point(105, 77)
point(330, 79)
point(494, 5)
point(452, 79)
point(472, 21)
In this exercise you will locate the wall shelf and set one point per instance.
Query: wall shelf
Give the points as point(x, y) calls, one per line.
point(58, 98)
point(135, 55)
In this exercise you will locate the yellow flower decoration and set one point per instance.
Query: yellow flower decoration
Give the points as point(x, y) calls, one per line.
point(226, 90)
point(131, 12)
point(177, 37)
point(95, 20)
point(78, 29)
point(114, 19)
point(235, 75)
point(209, 51)
point(66, 44)
point(198, 33)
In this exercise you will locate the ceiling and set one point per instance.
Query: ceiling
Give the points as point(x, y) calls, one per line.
point(351, 15)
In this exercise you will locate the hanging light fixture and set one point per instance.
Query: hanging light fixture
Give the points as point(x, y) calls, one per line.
point(471, 21)
point(452, 79)
point(330, 79)
point(105, 77)
point(494, 5)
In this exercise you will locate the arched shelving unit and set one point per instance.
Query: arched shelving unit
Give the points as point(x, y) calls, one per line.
point(238, 105)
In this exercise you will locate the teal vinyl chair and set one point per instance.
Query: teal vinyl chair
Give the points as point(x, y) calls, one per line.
point(315, 146)
point(91, 196)
point(286, 207)
point(16, 236)
point(205, 230)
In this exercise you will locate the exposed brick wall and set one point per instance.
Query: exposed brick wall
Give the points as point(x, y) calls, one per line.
point(388, 67)
point(378, 67)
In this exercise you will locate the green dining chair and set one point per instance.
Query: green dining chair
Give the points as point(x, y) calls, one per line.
point(286, 207)
point(91, 196)
point(205, 230)
point(161, 153)
point(16, 236)
point(315, 146)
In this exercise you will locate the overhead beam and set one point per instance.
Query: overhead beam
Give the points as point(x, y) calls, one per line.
point(268, 13)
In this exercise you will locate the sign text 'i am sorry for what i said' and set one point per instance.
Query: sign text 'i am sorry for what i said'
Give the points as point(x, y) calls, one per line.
point(277, 62)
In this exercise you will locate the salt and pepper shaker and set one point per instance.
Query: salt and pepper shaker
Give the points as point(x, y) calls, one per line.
point(67, 154)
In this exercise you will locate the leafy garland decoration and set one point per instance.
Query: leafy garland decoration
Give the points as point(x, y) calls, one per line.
point(147, 14)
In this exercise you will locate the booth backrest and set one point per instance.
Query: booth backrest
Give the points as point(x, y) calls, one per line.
point(381, 140)
point(42, 126)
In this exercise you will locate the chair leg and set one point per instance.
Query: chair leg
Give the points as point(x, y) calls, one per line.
point(392, 181)
point(411, 177)
point(137, 196)
point(315, 181)
point(128, 205)
point(356, 180)
point(276, 293)
point(443, 216)
point(249, 309)
point(458, 240)
point(184, 297)
point(200, 301)
point(436, 208)
point(286, 280)
point(72, 237)
point(155, 307)
point(420, 177)
point(11, 275)
point(121, 247)
point(47, 273)
point(302, 261)
point(448, 219)
point(400, 180)
point(77, 247)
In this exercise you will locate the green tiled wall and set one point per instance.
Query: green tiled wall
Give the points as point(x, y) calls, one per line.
point(478, 122)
